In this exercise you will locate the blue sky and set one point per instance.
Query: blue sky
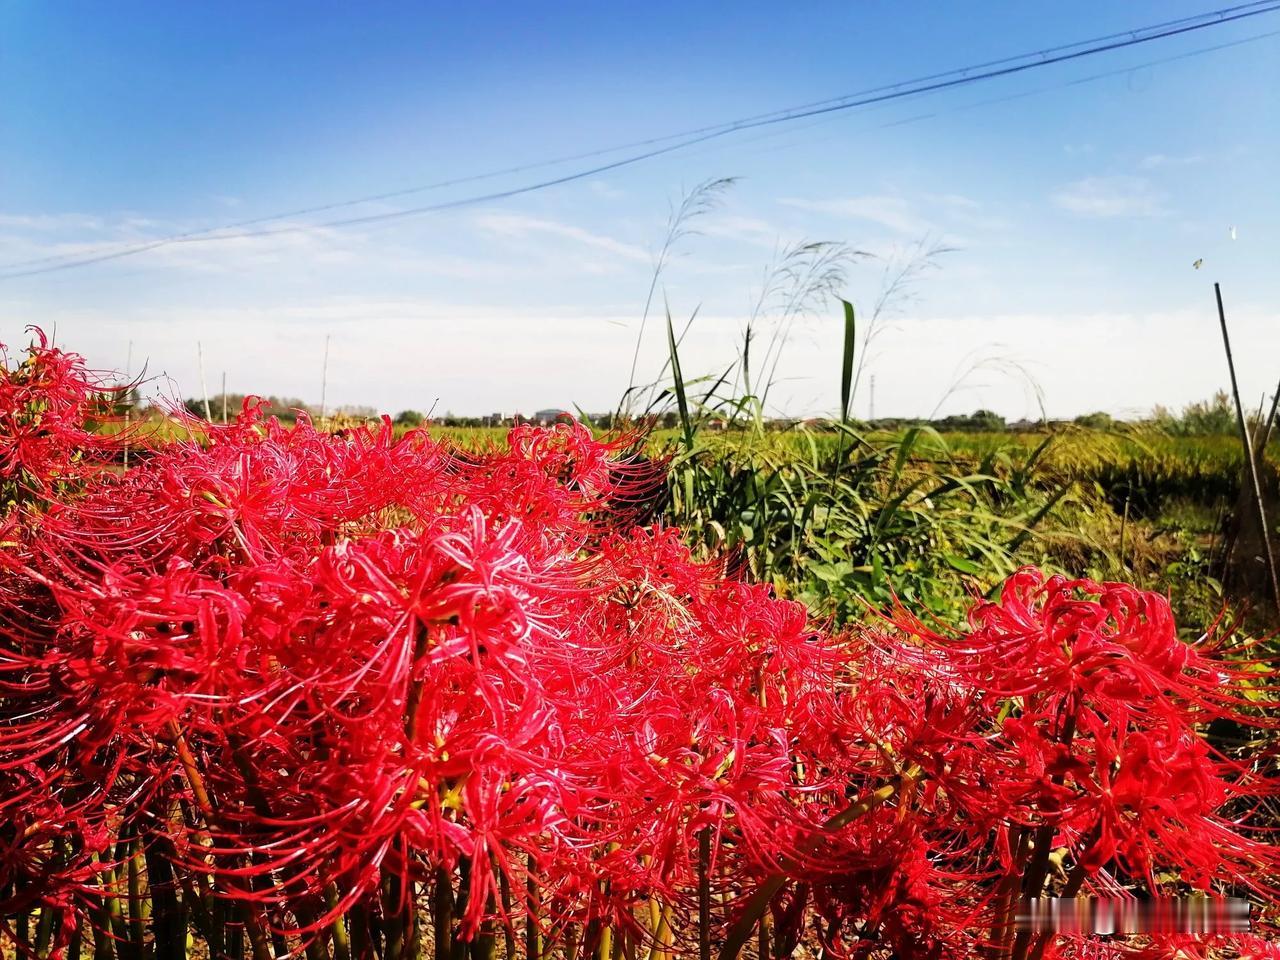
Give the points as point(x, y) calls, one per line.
point(1076, 197)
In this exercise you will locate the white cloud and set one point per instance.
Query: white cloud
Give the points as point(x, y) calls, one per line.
point(751, 230)
point(947, 216)
point(283, 250)
point(605, 190)
point(50, 222)
point(1156, 160)
point(1118, 196)
point(894, 213)
point(63, 236)
point(955, 201)
point(520, 225)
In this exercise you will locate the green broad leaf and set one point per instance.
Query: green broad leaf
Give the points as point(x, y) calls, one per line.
point(827, 572)
point(963, 564)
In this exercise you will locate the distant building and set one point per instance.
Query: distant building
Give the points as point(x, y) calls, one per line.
point(549, 416)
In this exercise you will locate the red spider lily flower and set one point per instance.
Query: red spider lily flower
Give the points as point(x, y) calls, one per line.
point(52, 410)
point(1102, 749)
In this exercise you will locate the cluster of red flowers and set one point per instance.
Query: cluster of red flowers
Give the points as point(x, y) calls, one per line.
point(48, 403)
point(336, 692)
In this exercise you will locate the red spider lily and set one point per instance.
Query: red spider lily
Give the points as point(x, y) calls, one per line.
point(48, 405)
point(1102, 750)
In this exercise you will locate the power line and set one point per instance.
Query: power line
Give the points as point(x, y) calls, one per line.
point(590, 154)
point(898, 91)
point(1024, 94)
point(909, 88)
point(894, 91)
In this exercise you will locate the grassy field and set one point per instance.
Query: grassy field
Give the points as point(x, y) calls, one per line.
point(842, 519)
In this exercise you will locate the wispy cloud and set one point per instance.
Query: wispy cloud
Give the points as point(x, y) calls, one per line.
point(952, 216)
point(520, 225)
point(76, 234)
point(287, 249)
point(954, 201)
point(894, 213)
point(1117, 196)
point(732, 226)
point(1155, 161)
point(605, 190)
point(50, 222)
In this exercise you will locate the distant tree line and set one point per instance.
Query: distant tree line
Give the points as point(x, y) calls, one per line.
point(1216, 415)
point(980, 421)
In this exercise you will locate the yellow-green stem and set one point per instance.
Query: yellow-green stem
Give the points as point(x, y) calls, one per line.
point(337, 928)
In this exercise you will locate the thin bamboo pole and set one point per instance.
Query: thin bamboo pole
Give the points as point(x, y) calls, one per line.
point(204, 387)
point(1251, 464)
point(324, 377)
